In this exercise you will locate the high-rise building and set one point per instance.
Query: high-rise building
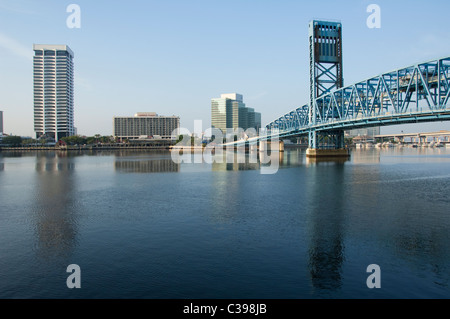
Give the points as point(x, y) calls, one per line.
point(243, 116)
point(257, 121)
point(146, 125)
point(225, 111)
point(53, 91)
point(1, 122)
point(229, 113)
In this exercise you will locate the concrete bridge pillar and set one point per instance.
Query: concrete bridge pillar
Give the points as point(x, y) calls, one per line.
point(273, 146)
point(327, 144)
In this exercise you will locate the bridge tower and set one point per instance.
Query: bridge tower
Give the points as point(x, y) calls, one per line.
point(326, 74)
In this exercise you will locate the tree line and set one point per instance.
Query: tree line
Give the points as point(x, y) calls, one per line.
point(16, 141)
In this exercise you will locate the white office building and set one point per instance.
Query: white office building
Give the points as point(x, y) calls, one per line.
point(53, 77)
point(144, 125)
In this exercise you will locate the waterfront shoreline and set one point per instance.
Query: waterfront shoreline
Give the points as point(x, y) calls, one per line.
point(85, 148)
point(112, 147)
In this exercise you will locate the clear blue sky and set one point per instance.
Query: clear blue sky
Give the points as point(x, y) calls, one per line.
point(172, 57)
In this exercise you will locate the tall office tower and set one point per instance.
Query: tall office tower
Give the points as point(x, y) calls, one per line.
point(243, 116)
point(1, 122)
point(53, 91)
point(251, 117)
point(229, 113)
point(257, 121)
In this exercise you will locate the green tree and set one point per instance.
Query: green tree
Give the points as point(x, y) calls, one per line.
point(106, 139)
point(74, 140)
point(28, 141)
point(90, 140)
point(12, 140)
point(184, 140)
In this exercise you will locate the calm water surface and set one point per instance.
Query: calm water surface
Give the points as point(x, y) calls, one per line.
point(141, 226)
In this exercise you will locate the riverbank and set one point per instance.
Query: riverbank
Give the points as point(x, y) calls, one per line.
point(87, 147)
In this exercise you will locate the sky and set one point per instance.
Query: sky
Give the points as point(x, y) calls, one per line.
point(171, 57)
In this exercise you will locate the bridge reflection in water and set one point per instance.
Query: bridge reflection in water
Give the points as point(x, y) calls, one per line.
point(326, 246)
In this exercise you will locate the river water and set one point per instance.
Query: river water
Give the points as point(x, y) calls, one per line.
point(140, 225)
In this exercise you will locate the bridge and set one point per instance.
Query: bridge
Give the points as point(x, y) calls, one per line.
point(418, 93)
point(412, 94)
point(420, 137)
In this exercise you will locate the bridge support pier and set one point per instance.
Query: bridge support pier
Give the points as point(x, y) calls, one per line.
point(327, 144)
point(272, 146)
point(317, 152)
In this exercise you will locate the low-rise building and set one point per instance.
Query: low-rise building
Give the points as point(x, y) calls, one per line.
point(146, 124)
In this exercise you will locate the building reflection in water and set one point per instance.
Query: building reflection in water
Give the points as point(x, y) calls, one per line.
point(225, 194)
point(146, 166)
point(242, 161)
point(293, 157)
point(145, 162)
point(55, 206)
point(235, 161)
point(326, 209)
point(365, 156)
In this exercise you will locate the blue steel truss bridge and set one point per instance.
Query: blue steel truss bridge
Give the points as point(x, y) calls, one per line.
point(418, 93)
point(412, 94)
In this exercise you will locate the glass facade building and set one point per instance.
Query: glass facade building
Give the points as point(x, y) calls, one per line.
point(257, 121)
point(229, 113)
point(53, 84)
point(219, 112)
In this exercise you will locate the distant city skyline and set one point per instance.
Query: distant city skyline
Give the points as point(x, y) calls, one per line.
point(171, 57)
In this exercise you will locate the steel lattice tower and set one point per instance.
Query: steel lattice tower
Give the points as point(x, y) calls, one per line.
point(325, 49)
